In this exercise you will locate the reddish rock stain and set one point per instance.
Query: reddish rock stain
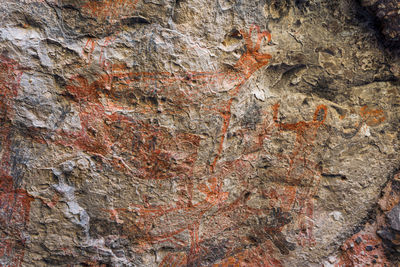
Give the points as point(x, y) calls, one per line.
point(110, 10)
point(363, 249)
point(14, 202)
point(372, 117)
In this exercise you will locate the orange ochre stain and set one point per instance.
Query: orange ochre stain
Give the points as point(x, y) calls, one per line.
point(110, 10)
point(372, 117)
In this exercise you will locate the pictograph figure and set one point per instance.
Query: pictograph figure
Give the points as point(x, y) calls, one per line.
point(147, 151)
point(303, 175)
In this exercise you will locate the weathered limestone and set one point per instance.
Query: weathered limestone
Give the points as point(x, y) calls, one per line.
point(199, 133)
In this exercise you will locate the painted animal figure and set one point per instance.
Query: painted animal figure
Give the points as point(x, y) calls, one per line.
point(99, 107)
point(150, 152)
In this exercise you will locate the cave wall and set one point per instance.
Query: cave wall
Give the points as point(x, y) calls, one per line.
point(199, 133)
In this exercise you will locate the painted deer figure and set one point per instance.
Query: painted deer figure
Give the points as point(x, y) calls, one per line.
point(97, 98)
point(252, 59)
point(98, 112)
point(249, 62)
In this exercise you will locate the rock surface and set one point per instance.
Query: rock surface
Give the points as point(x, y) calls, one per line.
point(199, 133)
point(388, 14)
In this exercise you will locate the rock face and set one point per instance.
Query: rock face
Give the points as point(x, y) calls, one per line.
point(387, 12)
point(199, 133)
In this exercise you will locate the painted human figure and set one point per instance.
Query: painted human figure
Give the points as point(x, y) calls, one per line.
point(302, 173)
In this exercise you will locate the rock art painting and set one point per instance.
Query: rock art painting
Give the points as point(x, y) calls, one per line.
point(198, 133)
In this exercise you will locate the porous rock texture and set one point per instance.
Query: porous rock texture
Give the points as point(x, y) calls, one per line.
point(388, 13)
point(199, 133)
